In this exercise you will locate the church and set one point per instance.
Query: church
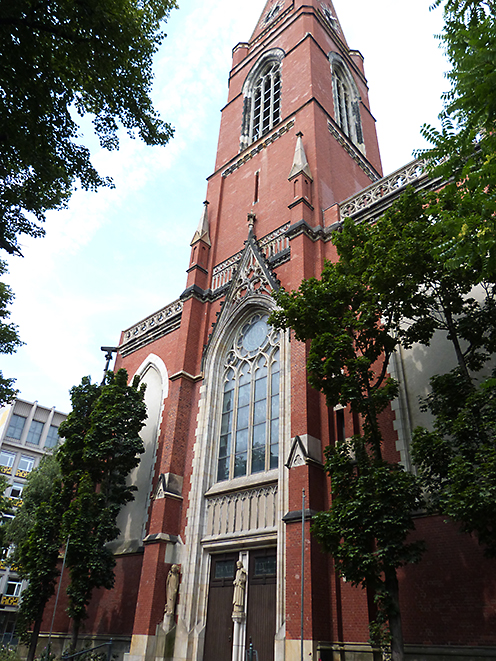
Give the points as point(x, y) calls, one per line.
point(209, 562)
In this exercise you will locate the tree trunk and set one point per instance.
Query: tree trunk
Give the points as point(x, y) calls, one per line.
point(392, 587)
point(34, 639)
point(453, 335)
point(75, 633)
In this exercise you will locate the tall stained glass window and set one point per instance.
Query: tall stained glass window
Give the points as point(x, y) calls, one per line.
point(249, 430)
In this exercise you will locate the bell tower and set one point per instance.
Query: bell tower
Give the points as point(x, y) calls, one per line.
point(297, 137)
point(241, 433)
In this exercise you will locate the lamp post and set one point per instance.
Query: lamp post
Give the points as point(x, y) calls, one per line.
point(108, 357)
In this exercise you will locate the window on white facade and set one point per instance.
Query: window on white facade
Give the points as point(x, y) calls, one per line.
point(25, 465)
point(34, 433)
point(16, 490)
point(262, 104)
point(346, 101)
point(13, 588)
point(52, 437)
point(7, 459)
point(249, 434)
point(16, 426)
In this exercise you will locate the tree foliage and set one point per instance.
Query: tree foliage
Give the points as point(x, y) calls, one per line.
point(395, 283)
point(36, 534)
point(102, 446)
point(351, 341)
point(457, 459)
point(402, 260)
point(74, 498)
point(463, 150)
point(61, 59)
point(9, 338)
point(5, 514)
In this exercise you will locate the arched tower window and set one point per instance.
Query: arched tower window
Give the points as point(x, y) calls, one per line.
point(262, 98)
point(249, 429)
point(346, 100)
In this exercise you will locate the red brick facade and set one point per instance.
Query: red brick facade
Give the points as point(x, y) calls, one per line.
point(450, 598)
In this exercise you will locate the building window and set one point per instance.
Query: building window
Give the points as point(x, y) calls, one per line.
point(12, 593)
point(346, 101)
point(52, 437)
point(13, 588)
point(249, 434)
point(6, 462)
point(16, 426)
point(16, 490)
point(262, 98)
point(25, 466)
point(34, 433)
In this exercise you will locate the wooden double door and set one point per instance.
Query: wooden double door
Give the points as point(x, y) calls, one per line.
point(260, 605)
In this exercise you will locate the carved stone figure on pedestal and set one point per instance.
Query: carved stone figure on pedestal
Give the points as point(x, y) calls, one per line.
point(239, 592)
point(171, 590)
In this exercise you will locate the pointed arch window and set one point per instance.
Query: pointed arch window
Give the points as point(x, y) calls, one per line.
point(346, 101)
point(262, 98)
point(249, 429)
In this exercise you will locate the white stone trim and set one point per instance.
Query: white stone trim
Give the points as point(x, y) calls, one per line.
point(192, 609)
point(152, 360)
point(341, 76)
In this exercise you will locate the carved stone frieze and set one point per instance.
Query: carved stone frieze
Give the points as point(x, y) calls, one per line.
point(384, 188)
point(242, 511)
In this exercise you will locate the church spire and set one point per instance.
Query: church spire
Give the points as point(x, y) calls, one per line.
point(276, 9)
point(300, 162)
point(203, 228)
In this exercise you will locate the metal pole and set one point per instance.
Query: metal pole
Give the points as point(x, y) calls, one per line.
point(302, 562)
point(57, 598)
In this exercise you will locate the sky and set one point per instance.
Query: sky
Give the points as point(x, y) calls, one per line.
point(116, 256)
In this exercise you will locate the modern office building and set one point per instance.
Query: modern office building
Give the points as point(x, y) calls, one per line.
point(27, 432)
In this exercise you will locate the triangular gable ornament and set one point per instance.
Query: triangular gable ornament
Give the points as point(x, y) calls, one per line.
point(254, 274)
point(253, 277)
point(161, 488)
point(298, 455)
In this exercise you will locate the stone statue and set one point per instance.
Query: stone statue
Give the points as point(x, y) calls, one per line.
point(239, 590)
point(171, 589)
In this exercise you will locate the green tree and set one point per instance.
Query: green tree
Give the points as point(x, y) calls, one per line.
point(457, 459)
point(400, 259)
point(463, 150)
point(9, 338)
point(61, 59)
point(5, 513)
point(391, 286)
point(74, 498)
point(102, 446)
point(370, 519)
point(36, 535)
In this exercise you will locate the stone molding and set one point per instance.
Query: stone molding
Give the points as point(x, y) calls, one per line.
point(263, 143)
point(355, 154)
point(151, 328)
point(383, 189)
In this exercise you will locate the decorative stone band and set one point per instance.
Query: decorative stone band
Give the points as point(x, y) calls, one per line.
point(158, 324)
point(263, 144)
point(352, 151)
point(388, 186)
point(242, 512)
point(271, 245)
